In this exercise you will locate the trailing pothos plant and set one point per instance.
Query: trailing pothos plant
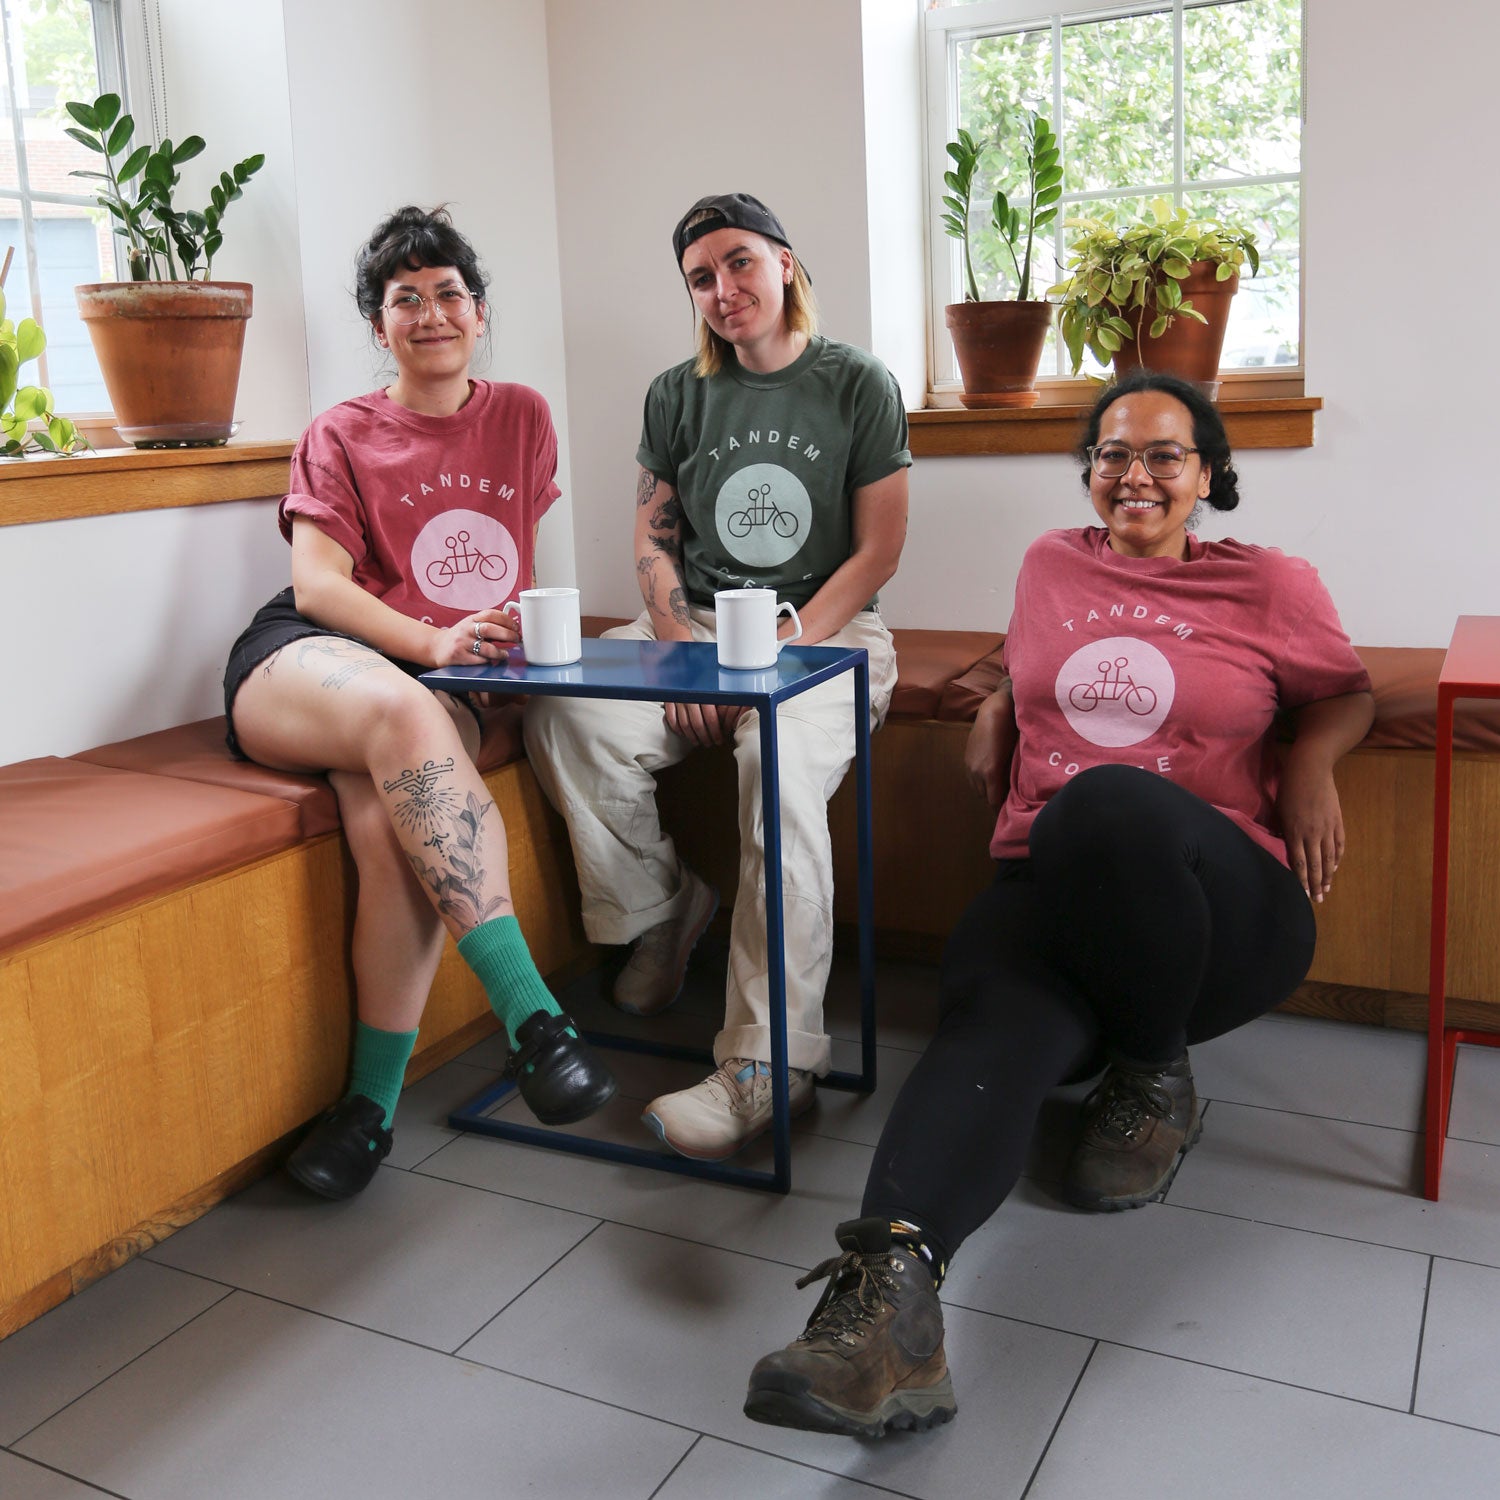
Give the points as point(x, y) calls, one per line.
point(20, 405)
point(165, 243)
point(1034, 209)
point(1138, 268)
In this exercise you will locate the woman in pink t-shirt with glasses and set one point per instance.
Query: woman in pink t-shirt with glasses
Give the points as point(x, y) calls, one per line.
point(412, 518)
point(1156, 860)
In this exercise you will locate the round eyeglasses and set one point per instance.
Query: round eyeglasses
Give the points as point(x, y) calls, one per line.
point(1162, 460)
point(453, 302)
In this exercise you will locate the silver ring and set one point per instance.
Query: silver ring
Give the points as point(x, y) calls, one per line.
point(475, 647)
point(478, 634)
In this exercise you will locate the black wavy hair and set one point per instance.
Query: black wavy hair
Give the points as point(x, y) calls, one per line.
point(413, 239)
point(1209, 437)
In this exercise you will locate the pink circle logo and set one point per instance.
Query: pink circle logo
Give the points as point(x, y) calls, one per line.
point(465, 560)
point(1116, 692)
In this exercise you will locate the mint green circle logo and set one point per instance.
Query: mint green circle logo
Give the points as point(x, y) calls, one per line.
point(764, 515)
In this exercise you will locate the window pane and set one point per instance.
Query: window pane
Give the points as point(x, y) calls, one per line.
point(1264, 316)
point(1242, 89)
point(1117, 109)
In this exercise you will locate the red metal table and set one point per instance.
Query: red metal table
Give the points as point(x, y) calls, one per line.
point(1471, 669)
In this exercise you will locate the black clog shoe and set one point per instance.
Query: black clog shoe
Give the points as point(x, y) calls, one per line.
point(339, 1155)
point(558, 1074)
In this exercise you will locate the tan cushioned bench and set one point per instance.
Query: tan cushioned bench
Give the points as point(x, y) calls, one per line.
point(77, 840)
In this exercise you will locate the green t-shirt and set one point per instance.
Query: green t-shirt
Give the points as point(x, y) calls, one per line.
point(765, 465)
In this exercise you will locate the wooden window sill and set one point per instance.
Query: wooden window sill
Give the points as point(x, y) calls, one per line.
point(1255, 422)
point(111, 480)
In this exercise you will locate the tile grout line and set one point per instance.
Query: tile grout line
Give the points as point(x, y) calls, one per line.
point(171, 1333)
point(582, 1240)
point(88, 1484)
point(666, 1478)
point(863, 1483)
point(1057, 1425)
point(1416, 1372)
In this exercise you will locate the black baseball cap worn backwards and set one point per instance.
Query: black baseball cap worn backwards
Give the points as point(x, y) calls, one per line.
point(727, 211)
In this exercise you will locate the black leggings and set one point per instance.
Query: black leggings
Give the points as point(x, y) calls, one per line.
point(1144, 920)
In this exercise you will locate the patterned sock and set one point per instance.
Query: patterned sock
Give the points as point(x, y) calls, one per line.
point(498, 954)
point(924, 1246)
point(380, 1059)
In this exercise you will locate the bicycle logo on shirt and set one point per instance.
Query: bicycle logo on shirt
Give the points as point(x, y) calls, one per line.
point(1115, 692)
point(463, 560)
point(762, 510)
point(1113, 686)
point(764, 517)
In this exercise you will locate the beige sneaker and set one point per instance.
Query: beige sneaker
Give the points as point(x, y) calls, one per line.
point(732, 1106)
point(653, 974)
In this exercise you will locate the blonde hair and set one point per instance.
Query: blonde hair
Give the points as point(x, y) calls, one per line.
point(799, 309)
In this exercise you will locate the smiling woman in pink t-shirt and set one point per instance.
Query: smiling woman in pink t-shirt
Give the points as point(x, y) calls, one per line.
point(412, 517)
point(1156, 860)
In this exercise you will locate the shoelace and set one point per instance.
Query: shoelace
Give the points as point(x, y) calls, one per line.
point(858, 1284)
point(725, 1080)
point(1123, 1102)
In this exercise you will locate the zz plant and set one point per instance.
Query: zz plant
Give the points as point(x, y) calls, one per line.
point(20, 404)
point(165, 243)
point(1033, 210)
point(1139, 267)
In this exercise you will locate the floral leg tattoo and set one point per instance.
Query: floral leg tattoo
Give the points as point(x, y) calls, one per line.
point(426, 809)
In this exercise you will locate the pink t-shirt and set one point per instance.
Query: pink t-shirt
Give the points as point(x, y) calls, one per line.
point(438, 513)
point(1175, 665)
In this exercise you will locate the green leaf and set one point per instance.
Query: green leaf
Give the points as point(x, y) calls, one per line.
point(1119, 289)
point(250, 166)
point(106, 107)
point(1178, 270)
point(93, 176)
point(43, 440)
point(955, 150)
point(30, 340)
point(1159, 325)
point(84, 114)
point(13, 427)
point(191, 147)
point(1108, 339)
point(1044, 218)
point(1187, 310)
point(1046, 196)
point(31, 401)
point(1223, 271)
point(84, 139)
point(133, 163)
point(119, 137)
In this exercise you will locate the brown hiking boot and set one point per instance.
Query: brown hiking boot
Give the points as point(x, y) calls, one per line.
point(871, 1357)
point(1137, 1126)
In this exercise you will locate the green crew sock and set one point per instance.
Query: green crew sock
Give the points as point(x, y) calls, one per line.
point(380, 1059)
point(498, 954)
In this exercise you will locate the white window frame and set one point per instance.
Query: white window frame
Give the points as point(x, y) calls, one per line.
point(947, 25)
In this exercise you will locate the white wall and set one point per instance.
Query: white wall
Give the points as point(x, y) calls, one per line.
point(654, 104)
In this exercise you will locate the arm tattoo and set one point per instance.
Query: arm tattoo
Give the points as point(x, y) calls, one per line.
point(456, 877)
point(667, 516)
point(645, 568)
point(645, 487)
point(677, 603)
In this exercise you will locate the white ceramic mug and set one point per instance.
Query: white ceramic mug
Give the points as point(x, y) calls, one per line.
point(550, 629)
point(745, 620)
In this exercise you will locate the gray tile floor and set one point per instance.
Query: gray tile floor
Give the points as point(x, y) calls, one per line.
point(494, 1320)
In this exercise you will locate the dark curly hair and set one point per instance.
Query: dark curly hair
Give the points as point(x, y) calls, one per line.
point(413, 239)
point(1209, 437)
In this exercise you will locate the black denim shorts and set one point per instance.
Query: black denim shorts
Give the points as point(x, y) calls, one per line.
point(278, 623)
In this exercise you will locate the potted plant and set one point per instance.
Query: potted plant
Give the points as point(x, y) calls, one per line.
point(20, 405)
point(169, 340)
point(999, 343)
point(1154, 292)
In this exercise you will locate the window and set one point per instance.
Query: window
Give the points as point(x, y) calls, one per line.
point(1196, 101)
point(55, 50)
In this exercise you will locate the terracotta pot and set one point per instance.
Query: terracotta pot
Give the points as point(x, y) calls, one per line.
point(999, 346)
point(170, 355)
point(1188, 348)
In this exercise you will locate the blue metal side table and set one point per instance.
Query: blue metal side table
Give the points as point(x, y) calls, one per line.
point(689, 672)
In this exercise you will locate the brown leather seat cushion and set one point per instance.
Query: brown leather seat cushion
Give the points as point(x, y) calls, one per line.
point(77, 840)
point(596, 625)
point(927, 661)
point(962, 697)
point(500, 740)
point(197, 752)
point(1405, 682)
